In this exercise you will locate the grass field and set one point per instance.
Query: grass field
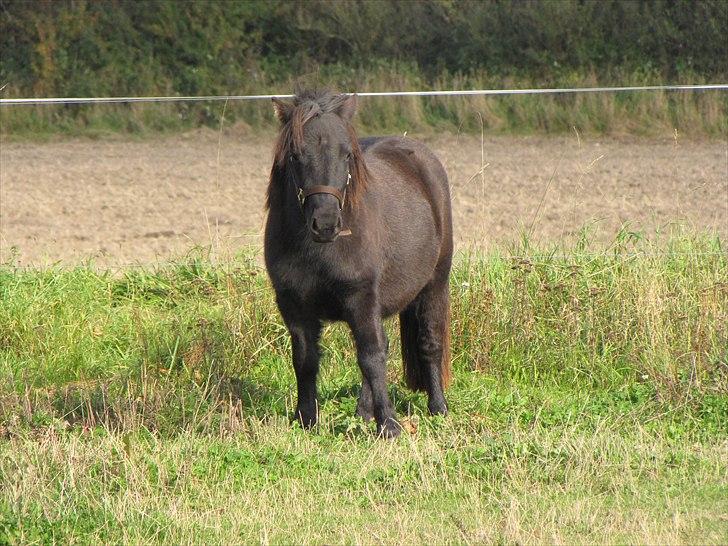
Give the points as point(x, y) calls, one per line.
point(589, 404)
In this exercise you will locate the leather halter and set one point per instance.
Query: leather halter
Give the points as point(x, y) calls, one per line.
point(304, 194)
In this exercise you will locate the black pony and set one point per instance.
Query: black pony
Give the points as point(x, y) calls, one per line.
point(359, 230)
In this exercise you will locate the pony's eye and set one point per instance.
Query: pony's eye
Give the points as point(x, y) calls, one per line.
point(348, 156)
point(293, 158)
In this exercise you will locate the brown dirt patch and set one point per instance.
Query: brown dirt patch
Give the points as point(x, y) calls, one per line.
point(123, 201)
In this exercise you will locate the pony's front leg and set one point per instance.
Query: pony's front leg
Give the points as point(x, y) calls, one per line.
point(364, 406)
point(371, 349)
point(305, 335)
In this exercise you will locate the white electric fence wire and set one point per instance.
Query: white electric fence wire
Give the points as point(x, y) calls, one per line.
point(451, 93)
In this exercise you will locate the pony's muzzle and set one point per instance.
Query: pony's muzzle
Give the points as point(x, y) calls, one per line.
point(325, 228)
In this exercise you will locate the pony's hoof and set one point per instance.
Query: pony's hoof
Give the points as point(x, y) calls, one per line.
point(390, 429)
point(307, 419)
point(365, 413)
point(438, 409)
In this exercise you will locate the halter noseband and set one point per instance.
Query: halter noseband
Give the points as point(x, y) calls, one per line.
point(304, 194)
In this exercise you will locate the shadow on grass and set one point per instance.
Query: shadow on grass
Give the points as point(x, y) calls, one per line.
point(166, 406)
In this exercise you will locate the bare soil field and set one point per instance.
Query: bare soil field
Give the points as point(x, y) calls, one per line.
point(140, 201)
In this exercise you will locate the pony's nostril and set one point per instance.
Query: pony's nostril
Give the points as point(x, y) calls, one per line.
point(314, 226)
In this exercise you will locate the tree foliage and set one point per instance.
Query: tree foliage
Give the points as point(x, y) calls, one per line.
point(118, 47)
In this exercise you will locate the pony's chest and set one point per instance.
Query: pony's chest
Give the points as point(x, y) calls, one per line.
point(311, 288)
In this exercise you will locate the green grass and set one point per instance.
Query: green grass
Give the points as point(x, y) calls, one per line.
point(589, 404)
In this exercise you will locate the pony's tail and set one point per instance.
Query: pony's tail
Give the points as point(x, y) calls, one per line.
point(415, 370)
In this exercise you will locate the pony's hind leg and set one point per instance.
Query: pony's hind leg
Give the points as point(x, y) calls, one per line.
point(425, 326)
point(365, 405)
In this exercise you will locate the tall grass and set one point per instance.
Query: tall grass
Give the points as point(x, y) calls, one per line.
point(600, 319)
point(590, 404)
point(638, 113)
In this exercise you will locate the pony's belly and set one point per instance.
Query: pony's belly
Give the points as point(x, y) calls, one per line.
point(412, 246)
point(402, 283)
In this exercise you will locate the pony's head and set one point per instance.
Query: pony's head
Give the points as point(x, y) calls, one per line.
point(317, 157)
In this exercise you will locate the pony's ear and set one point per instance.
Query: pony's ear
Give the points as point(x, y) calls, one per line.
point(347, 108)
point(282, 109)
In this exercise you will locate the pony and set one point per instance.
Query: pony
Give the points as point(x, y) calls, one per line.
point(358, 230)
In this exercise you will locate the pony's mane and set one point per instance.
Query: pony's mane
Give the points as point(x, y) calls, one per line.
point(308, 104)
